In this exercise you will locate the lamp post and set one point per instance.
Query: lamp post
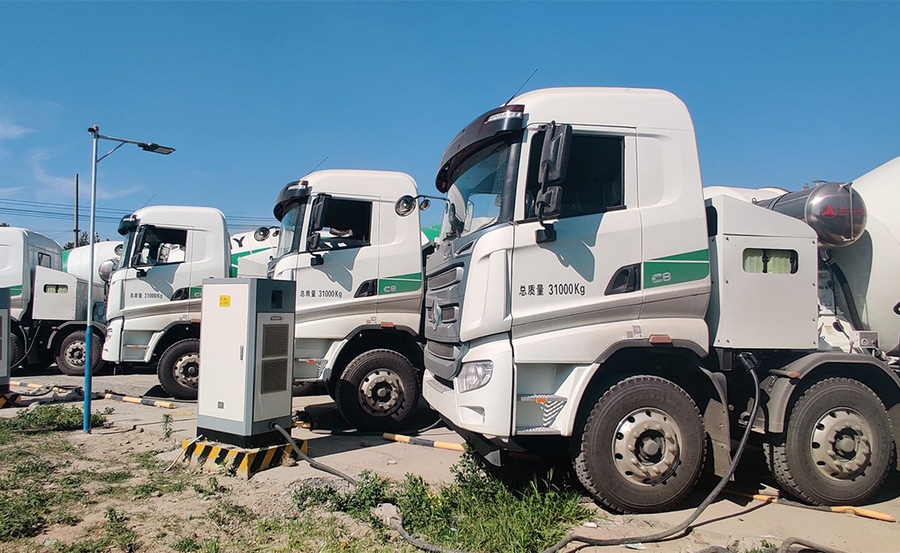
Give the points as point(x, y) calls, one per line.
point(147, 147)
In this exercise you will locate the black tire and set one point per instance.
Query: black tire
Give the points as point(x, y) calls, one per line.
point(378, 390)
point(71, 356)
point(302, 388)
point(838, 448)
point(179, 369)
point(16, 353)
point(661, 417)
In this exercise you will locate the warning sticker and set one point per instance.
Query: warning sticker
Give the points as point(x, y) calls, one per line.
point(224, 301)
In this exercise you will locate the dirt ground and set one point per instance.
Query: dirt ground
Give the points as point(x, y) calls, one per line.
point(160, 518)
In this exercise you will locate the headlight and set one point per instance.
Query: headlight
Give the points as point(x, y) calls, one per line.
point(474, 375)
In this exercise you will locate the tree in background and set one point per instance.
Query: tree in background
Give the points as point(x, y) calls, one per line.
point(82, 240)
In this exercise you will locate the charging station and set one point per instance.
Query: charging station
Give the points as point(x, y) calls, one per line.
point(7, 398)
point(246, 352)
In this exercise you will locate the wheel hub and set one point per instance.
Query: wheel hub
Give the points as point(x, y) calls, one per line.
point(380, 392)
point(840, 444)
point(187, 370)
point(646, 446)
point(75, 354)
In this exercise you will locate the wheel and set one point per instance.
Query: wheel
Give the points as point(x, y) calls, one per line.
point(70, 359)
point(378, 390)
point(838, 447)
point(16, 353)
point(642, 447)
point(179, 369)
point(302, 388)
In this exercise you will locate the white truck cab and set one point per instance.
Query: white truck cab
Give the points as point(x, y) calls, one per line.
point(153, 309)
point(358, 269)
point(585, 298)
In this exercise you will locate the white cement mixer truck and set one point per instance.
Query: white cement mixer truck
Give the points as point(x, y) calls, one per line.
point(48, 299)
point(585, 298)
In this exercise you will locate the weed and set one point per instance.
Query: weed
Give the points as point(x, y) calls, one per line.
point(211, 489)
point(22, 513)
point(186, 545)
point(118, 532)
point(226, 513)
point(167, 425)
point(43, 418)
point(477, 512)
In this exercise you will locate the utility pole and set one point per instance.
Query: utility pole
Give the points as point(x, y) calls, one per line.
point(75, 241)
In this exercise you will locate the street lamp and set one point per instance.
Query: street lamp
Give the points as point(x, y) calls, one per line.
point(88, 331)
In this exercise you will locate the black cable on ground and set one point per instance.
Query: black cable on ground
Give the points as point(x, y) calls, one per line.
point(312, 462)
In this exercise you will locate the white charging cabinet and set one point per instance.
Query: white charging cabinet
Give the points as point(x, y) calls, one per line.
point(5, 369)
point(246, 356)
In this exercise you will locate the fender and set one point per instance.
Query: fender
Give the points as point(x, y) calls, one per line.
point(99, 327)
point(781, 384)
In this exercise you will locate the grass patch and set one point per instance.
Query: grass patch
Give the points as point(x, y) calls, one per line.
point(48, 418)
point(477, 512)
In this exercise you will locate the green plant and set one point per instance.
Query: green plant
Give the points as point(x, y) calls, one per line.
point(44, 418)
point(167, 425)
point(211, 489)
point(477, 512)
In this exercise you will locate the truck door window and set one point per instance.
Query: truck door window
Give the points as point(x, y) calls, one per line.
point(43, 259)
point(346, 224)
point(160, 246)
point(593, 183)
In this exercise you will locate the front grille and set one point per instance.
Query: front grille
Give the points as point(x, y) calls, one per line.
point(444, 351)
point(447, 278)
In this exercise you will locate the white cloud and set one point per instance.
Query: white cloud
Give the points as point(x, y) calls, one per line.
point(10, 130)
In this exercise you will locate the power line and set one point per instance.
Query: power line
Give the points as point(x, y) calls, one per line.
point(56, 211)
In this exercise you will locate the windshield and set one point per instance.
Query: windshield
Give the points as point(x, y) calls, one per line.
point(291, 227)
point(481, 191)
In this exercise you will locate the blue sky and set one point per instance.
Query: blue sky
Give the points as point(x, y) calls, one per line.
point(256, 94)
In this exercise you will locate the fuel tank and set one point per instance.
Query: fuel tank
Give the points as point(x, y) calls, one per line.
point(836, 211)
point(872, 262)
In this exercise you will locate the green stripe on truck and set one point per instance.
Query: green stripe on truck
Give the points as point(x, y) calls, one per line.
point(676, 269)
point(400, 283)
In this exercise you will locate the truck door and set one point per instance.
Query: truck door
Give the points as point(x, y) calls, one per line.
point(158, 276)
point(337, 274)
point(588, 278)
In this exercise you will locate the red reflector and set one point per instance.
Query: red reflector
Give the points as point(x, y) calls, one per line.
point(660, 339)
point(387, 324)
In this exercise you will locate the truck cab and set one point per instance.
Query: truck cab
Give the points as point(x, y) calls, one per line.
point(358, 269)
point(153, 309)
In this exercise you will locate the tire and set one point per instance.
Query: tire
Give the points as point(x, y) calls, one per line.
point(838, 448)
point(16, 353)
point(70, 359)
point(378, 390)
point(179, 369)
point(302, 388)
point(661, 417)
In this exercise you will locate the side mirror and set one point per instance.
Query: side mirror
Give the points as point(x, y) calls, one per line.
point(312, 243)
point(555, 154)
point(405, 205)
point(107, 268)
point(549, 201)
point(319, 207)
point(551, 173)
